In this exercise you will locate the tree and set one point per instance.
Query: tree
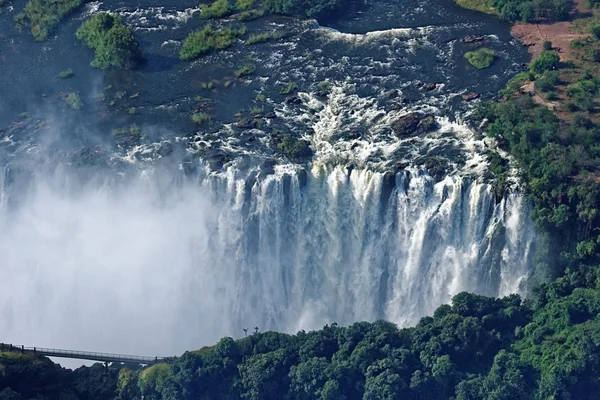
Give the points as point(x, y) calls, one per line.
point(546, 61)
point(114, 44)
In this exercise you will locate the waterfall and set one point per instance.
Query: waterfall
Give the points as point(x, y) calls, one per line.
point(215, 253)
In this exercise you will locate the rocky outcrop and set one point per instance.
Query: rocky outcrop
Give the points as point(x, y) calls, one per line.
point(414, 124)
point(470, 96)
point(473, 39)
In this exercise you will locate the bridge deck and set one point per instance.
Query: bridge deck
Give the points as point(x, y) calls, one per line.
point(84, 355)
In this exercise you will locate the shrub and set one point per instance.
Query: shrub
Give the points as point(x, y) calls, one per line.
point(200, 118)
point(218, 9)
point(245, 70)
point(67, 73)
point(73, 100)
point(325, 86)
point(547, 45)
point(551, 96)
point(208, 39)
point(289, 88)
point(546, 61)
point(480, 59)
point(114, 44)
point(250, 15)
point(244, 5)
point(294, 148)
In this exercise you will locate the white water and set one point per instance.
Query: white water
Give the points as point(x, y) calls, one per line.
point(155, 268)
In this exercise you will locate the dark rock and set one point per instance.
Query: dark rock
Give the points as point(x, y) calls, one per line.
point(270, 115)
point(390, 94)
point(293, 100)
point(470, 96)
point(414, 124)
point(472, 39)
point(427, 86)
point(246, 123)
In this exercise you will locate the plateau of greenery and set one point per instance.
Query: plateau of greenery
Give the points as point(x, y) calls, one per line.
point(251, 9)
point(114, 44)
point(481, 58)
point(43, 16)
point(208, 39)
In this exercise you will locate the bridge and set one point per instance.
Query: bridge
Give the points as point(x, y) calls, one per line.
point(86, 355)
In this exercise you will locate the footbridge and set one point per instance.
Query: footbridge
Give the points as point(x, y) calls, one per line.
point(86, 355)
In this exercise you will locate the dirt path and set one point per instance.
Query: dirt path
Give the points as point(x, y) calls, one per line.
point(534, 35)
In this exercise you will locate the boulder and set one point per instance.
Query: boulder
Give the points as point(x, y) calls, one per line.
point(470, 96)
point(473, 39)
point(413, 124)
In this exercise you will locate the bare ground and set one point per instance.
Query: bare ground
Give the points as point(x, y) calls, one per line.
point(534, 35)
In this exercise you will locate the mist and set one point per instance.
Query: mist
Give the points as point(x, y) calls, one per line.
point(107, 266)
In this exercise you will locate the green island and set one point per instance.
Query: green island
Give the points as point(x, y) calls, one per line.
point(43, 16)
point(481, 58)
point(113, 42)
point(544, 347)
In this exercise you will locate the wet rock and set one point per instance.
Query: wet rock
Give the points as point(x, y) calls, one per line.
point(246, 123)
point(436, 167)
point(428, 86)
point(470, 96)
point(473, 39)
point(293, 100)
point(270, 115)
point(414, 124)
point(390, 94)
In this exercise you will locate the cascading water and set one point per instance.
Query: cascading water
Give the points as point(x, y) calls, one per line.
point(104, 246)
point(215, 253)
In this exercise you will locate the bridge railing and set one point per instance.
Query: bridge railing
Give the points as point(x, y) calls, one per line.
point(86, 355)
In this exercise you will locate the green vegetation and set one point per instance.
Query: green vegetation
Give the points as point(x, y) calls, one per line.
point(481, 58)
point(595, 30)
point(218, 9)
point(264, 37)
point(306, 8)
point(72, 99)
point(208, 39)
point(43, 16)
point(245, 70)
point(289, 88)
point(325, 86)
point(293, 148)
point(522, 10)
point(67, 73)
point(128, 135)
point(250, 15)
point(132, 111)
point(114, 44)
point(200, 118)
point(244, 5)
point(546, 61)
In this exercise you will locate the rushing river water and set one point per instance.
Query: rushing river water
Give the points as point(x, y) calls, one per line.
point(193, 233)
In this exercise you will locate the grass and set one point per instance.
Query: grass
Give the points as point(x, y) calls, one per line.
point(131, 130)
point(481, 58)
point(200, 118)
point(73, 100)
point(264, 37)
point(250, 15)
point(207, 85)
point(325, 86)
point(43, 16)
point(67, 73)
point(245, 70)
point(478, 5)
point(289, 88)
point(208, 39)
point(218, 9)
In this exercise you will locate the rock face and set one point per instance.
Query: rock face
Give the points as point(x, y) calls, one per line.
point(413, 124)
